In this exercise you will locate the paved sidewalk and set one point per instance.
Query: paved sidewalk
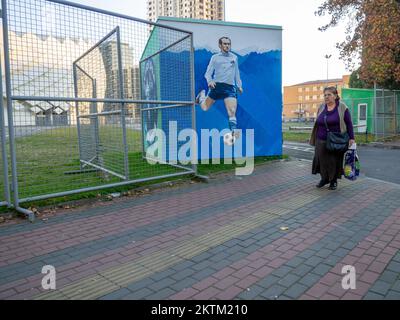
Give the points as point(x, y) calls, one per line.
point(271, 235)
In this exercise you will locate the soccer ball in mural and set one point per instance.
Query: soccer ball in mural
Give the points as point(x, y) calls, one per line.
point(229, 139)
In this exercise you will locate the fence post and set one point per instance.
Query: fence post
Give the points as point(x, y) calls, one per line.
point(193, 95)
point(122, 96)
point(3, 144)
point(375, 111)
point(13, 156)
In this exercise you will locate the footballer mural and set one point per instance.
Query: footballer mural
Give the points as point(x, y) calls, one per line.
point(238, 79)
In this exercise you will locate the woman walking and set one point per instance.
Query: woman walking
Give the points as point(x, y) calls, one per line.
point(335, 117)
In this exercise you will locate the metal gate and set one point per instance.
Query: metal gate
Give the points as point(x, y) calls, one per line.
point(83, 69)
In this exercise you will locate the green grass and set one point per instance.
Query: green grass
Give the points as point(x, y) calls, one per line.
point(44, 159)
point(296, 136)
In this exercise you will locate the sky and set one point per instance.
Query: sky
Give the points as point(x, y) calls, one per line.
point(303, 47)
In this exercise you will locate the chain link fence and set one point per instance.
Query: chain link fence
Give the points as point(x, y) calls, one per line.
point(387, 113)
point(83, 88)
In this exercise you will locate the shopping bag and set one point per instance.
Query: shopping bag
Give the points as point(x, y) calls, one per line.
point(351, 163)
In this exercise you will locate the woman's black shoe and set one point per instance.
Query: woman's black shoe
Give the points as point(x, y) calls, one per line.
point(321, 183)
point(332, 185)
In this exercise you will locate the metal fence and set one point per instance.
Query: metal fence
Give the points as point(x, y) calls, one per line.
point(4, 182)
point(387, 113)
point(82, 85)
point(377, 114)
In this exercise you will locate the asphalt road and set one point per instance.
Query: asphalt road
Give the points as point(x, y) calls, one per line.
point(377, 163)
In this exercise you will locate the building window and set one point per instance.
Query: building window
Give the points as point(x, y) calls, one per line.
point(300, 89)
point(300, 98)
point(307, 89)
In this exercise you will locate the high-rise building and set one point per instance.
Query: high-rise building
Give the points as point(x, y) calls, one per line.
point(194, 9)
point(130, 72)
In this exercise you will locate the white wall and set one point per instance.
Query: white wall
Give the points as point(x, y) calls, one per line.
point(22, 116)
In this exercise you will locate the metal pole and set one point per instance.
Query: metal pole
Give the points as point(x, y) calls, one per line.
point(384, 113)
point(95, 122)
point(104, 113)
point(122, 96)
point(396, 115)
point(28, 213)
point(78, 126)
point(3, 144)
point(141, 109)
point(327, 56)
point(173, 106)
point(24, 98)
point(193, 97)
point(96, 45)
point(118, 184)
point(166, 48)
point(375, 111)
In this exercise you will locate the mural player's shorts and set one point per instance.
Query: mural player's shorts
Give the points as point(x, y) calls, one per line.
point(222, 91)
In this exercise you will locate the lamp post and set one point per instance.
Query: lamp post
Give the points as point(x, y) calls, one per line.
point(300, 112)
point(327, 57)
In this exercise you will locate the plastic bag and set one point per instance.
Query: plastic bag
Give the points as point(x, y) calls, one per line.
point(351, 163)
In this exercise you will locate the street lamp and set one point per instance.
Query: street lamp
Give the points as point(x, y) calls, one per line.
point(300, 112)
point(327, 57)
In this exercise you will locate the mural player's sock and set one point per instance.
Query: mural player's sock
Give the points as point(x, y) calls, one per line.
point(232, 123)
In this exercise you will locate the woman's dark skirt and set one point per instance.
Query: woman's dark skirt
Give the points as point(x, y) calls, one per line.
point(328, 164)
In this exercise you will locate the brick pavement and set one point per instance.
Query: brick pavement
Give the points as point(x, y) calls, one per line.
point(221, 240)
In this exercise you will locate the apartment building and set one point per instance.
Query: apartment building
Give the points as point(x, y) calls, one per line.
point(301, 101)
point(194, 9)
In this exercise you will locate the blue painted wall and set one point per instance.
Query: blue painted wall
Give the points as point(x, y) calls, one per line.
point(260, 105)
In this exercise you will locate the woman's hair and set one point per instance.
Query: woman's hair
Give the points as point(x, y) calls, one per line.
point(333, 90)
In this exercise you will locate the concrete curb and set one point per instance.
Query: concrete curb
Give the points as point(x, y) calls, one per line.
point(380, 145)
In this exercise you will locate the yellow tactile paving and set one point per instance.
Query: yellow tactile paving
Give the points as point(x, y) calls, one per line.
point(298, 201)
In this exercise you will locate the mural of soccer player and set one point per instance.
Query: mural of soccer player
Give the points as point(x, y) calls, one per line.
point(223, 79)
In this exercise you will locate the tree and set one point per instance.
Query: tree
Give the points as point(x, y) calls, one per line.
point(356, 82)
point(372, 35)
